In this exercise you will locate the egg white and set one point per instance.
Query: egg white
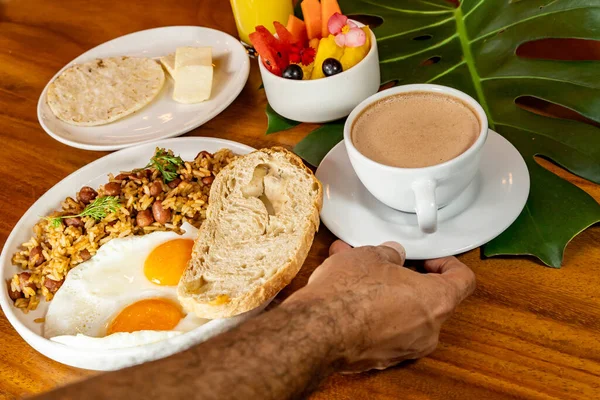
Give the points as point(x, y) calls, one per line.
point(95, 291)
point(118, 340)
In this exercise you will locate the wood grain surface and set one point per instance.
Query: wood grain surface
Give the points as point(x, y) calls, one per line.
point(528, 332)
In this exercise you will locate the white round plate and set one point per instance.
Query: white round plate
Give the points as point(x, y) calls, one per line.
point(95, 174)
point(485, 209)
point(164, 117)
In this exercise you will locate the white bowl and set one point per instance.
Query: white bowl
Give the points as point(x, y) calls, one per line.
point(326, 99)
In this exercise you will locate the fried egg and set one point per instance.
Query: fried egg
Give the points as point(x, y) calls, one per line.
point(125, 295)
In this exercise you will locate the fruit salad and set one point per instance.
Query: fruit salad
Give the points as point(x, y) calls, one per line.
point(324, 44)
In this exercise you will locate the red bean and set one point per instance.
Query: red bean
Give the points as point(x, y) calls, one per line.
point(122, 176)
point(37, 255)
point(112, 188)
point(23, 281)
point(144, 218)
point(174, 183)
point(156, 188)
point(13, 294)
point(161, 215)
point(86, 195)
point(203, 154)
point(207, 180)
point(85, 254)
point(137, 174)
point(76, 222)
point(53, 285)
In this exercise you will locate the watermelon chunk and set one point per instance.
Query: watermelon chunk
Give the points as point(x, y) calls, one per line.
point(266, 52)
point(284, 35)
point(275, 53)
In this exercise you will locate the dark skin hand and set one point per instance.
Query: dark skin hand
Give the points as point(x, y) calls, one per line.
point(360, 310)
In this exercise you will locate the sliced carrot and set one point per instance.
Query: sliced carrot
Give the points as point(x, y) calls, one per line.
point(311, 9)
point(328, 8)
point(284, 35)
point(297, 28)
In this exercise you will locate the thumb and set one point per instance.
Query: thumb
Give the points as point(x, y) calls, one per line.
point(393, 252)
point(454, 272)
point(338, 246)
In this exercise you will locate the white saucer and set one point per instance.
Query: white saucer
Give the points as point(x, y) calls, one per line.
point(163, 117)
point(485, 209)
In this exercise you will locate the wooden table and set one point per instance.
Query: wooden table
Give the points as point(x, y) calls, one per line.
point(528, 332)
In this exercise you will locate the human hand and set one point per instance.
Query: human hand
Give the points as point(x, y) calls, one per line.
point(360, 310)
point(382, 312)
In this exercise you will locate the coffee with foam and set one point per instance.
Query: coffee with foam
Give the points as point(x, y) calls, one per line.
point(415, 129)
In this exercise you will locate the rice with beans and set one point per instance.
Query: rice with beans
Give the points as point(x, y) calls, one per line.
point(147, 204)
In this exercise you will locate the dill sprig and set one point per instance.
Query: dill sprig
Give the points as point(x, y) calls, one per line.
point(166, 164)
point(97, 209)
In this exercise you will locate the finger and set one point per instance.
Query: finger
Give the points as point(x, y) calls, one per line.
point(392, 252)
point(455, 272)
point(338, 246)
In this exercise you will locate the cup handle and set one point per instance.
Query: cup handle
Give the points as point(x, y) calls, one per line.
point(426, 206)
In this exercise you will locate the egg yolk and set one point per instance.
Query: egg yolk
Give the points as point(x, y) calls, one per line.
point(165, 264)
point(149, 314)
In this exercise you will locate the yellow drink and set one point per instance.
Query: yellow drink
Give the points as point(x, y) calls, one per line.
point(251, 13)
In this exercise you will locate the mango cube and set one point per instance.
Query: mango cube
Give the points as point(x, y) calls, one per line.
point(327, 49)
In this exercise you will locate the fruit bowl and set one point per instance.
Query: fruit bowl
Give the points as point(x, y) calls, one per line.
point(326, 99)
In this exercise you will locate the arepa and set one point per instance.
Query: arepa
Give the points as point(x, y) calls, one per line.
point(104, 90)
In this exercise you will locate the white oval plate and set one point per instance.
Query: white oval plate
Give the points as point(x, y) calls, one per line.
point(164, 117)
point(95, 174)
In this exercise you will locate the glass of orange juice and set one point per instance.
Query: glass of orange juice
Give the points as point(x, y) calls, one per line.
point(251, 13)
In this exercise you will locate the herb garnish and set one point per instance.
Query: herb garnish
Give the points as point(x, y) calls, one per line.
point(166, 164)
point(97, 209)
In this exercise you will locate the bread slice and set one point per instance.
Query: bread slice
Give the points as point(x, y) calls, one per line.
point(260, 224)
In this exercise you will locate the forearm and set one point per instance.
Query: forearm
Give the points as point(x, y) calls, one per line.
point(280, 354)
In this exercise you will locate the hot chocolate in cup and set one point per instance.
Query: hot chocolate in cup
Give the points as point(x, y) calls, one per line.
point(416, 147)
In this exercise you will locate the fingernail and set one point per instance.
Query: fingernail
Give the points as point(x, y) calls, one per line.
point(396, 246)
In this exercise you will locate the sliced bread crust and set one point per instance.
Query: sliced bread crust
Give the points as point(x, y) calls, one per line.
point(261, 221)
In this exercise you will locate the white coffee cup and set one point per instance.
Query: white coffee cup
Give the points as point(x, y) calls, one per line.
point(418, 190)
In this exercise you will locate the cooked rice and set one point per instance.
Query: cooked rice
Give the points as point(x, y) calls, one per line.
point(62, 246)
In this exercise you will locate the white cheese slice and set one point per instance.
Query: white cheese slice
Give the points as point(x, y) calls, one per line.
point(193, 74)
point(169, 63)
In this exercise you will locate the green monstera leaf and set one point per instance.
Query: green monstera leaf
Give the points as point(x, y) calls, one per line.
point(474, 49)
point(277, 123)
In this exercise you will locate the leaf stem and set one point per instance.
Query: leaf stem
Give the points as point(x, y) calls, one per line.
point(446, 72)
point(466, 47)
point(420, 28)
point(435, 46)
